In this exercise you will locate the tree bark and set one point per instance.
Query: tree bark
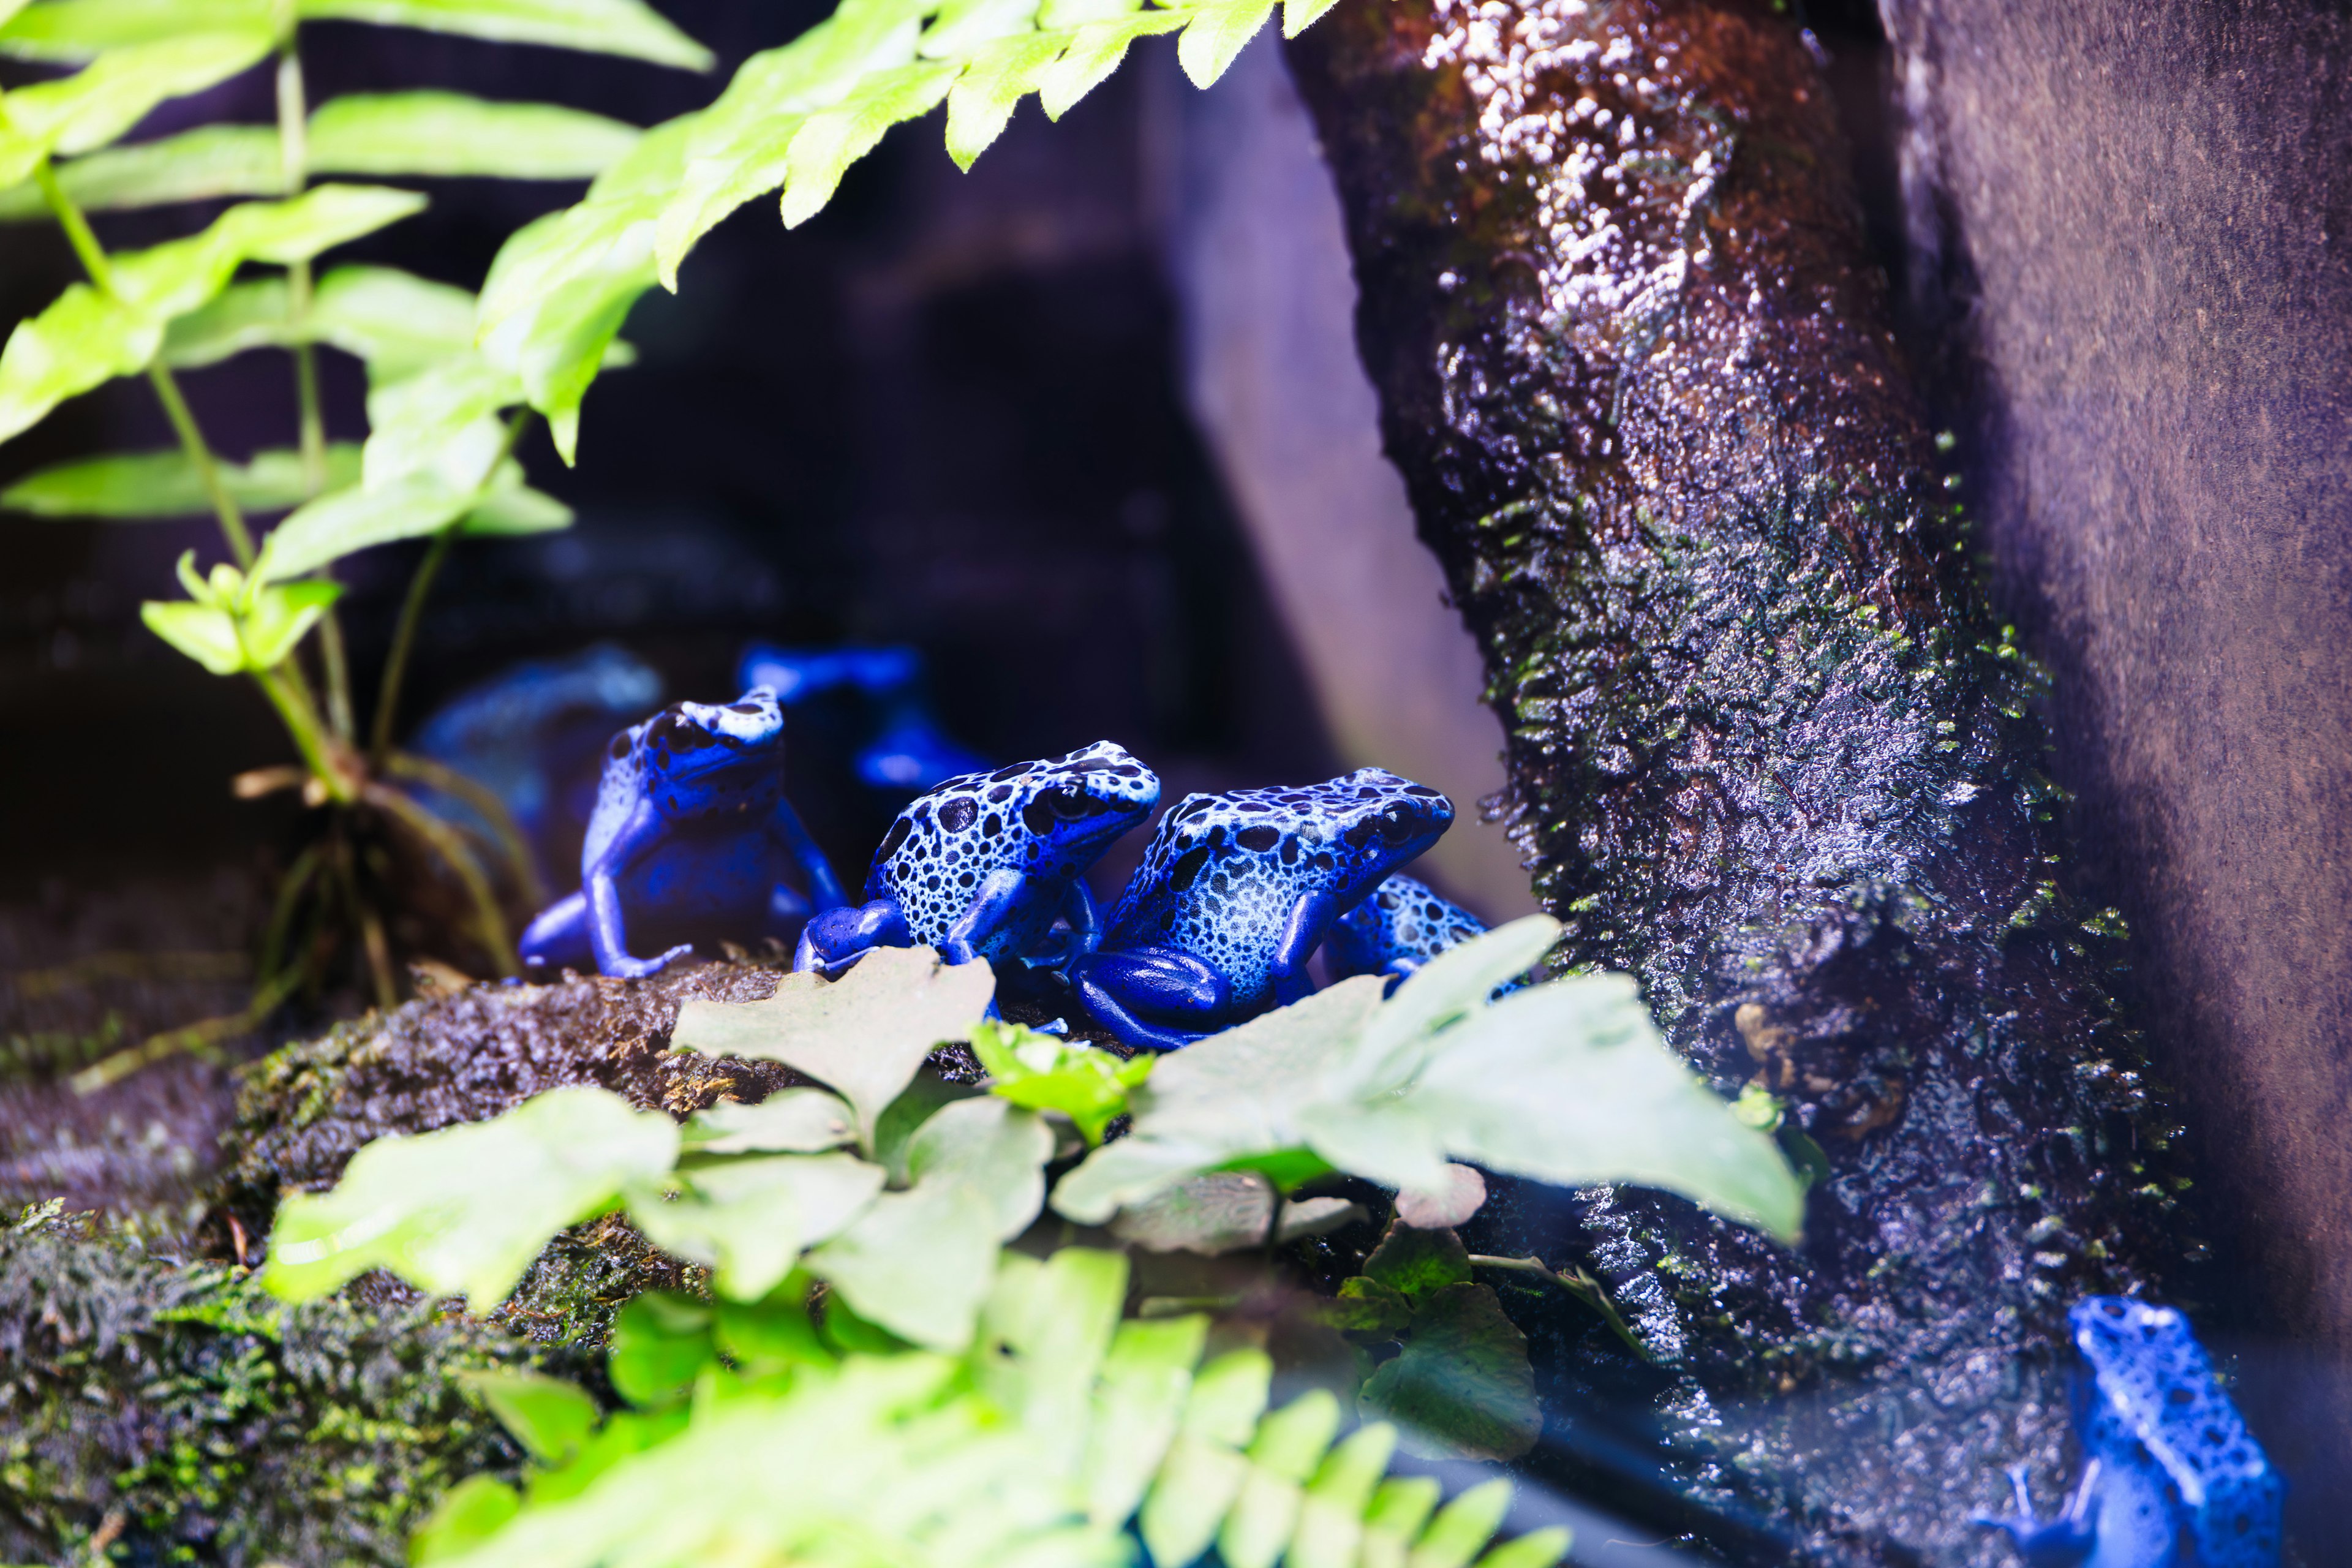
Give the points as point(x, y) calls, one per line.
point(1768, 748)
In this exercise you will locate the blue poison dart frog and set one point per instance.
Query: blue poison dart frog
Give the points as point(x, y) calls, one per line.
point(906, 749)
point(534, 735)
point(691, 836)
point(2171, 1478)
point(983, 866)
point(1400, 926)
point(1235, 893)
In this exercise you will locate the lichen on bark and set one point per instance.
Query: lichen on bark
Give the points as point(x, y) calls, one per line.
point(1767, 747)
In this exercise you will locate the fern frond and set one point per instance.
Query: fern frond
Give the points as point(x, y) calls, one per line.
point(789, 123)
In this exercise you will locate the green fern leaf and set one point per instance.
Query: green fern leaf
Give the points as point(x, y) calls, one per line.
point(1002, 73)
point(834, 138)
point(1218, 32)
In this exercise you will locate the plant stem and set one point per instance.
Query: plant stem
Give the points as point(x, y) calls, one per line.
point(493, 811)
point(293, 699)
point(404, 639)
point(445, 841)
point(1579, 1284)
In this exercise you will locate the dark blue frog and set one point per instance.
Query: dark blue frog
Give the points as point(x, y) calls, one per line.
point(692, 837)
point(1403, 925)
point(2171, 1478)
point(984, 865)
point(1235, 892)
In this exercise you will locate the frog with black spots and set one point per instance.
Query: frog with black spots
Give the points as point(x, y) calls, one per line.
point(691, 836)
point(2171, 1478)
point(1233, 895)
point(1403, 925)
point(984, 865)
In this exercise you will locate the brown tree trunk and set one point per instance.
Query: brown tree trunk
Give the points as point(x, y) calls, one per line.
point(1768, 750)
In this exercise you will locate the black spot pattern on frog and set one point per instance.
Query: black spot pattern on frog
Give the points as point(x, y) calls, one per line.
point(1403, 919)
point(1049, 819)
point(693, 759)
point(1222, 872)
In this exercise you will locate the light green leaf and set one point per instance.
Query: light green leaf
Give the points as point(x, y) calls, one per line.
point(245, 316)
point(203, 165)
point(864, 1034)
point(1083, 1082)
point(1537, 1549)
point(989, 1147)
point(1290, 1444)
point(465, 1209)
point(964, 27)
point(1047, 1330)
point(396, 321)
point(833, 138)
point(358, 519)
point(278, 615)
point(1095, 51)
point(748, 1219)
point(320, 219)
point(981, 104)
point(1227, 1211)
point(443, 422)
point(447, 134)
point(513, 510)
point(1331, 1514)
point(70, 30)
point(661, 1344)
point(1204, 1470)
point(113, 93)
point(1298, 15)
point(1139, 1405)
point(1463, 1387)
point(82, 340)
point(166, 484)
point(204, 634)
point(789, 1121)
point(1399, 1510)
point(1463, 1526)
point(917, 1263)
point(1221, 30)
point(595, 26)
point(1448, 988)
point(468, 1514)
point(549, 1417)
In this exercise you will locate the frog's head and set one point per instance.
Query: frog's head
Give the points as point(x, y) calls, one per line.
point(1373, 821)
point(1343, 836)
point(1058, 811)
point(696, 758)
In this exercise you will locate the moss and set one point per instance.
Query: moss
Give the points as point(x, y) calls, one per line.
point(155, 1409)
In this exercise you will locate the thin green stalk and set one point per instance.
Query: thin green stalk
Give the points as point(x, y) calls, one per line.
point(491, 920)
point(296, 708)
point(487, 803)
point(369, 924)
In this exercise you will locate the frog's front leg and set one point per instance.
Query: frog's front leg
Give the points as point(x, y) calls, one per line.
point(790, 831)
point(993, 902)
point(2061, 1542)
point(1084, 917)
point(607, 926)
point(1302, 933)
point(1161, 980)
point(837, 939)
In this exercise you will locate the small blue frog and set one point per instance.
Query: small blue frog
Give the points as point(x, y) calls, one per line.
point(1403, 925)
point(2171, 1478)
point(1235, 893)
point(692, 833)
point(908, 749)
point(982, 866)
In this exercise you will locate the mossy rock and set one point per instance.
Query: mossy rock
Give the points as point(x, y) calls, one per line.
point(156, 1409)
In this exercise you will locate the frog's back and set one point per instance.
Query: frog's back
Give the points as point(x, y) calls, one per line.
point(2159, 1405)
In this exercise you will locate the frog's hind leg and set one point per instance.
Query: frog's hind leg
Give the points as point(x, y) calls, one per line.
point(558, 937)
point(1116, 987)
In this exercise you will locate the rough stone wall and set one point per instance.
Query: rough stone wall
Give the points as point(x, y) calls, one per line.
point(1769, 749)
point(2132, 222)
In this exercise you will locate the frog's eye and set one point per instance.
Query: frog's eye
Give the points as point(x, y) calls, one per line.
point(620, 747)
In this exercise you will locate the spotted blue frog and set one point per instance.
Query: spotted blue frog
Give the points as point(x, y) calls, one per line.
point(1235, 892)
point(1403, 925)
point(2171, 1478)
point(691, 836)
point(984, 865)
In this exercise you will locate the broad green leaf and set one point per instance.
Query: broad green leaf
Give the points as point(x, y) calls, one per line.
point(396, 321)
point(964, 26)
point(1083, 1082)
point(918, 1263)
point(789, 1121)
point(748, 1219)
point(244, 317)
point(468, 1514)
point(70, 30)
point(989, 1147)
point(449, 135)
point(1298, 15)
point(1537, 1549)
point(1449, 987)
point(1220, 31)
point(596, 27)
point(1204, 1470)
point(203, 165)
point(774, 1333)
point(320, 219)
point(549, 1417)
point(443, 421)
point(1463, 1387)
point(981, 104)
point(357, 518)
point(1290, 1445)
point(113, 93)
point(1095, 51)
point(82, 340)
point(1417, 1263)
point(166, 484)
point(1463, 1526)
point(1399, 1513)
point(1331, 1514)
point(661, 1343)
point(511, 510)
point(204, 634)
point(465, 1210)
point(1226, 1212)
point(1368, 1311)
point(1139, 1403)
point(1042, 1338)
point(278, 615)
point(864, 1034)
point(833, 138)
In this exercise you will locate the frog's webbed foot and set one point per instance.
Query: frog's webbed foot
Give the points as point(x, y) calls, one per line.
point(2063, 1542)
point(624, 966)
point(1120, 988)
point(837, 939)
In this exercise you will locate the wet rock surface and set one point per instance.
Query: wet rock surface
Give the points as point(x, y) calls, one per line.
point(1769, 749)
